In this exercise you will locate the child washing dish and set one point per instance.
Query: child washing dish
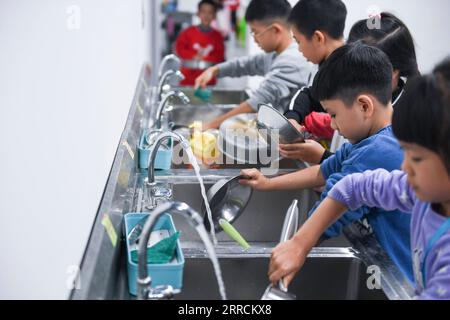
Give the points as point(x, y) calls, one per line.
point(421, 122)
point(393, 38)
point(284, 68)
point(361, 110)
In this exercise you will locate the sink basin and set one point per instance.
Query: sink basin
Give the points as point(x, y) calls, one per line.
point(219, 96)
point(261, 220)
point(324, 276)
point(187, 114)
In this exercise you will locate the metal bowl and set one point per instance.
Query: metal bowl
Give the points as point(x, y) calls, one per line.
point(271, 119)
point(227, 199)
point(240, 139)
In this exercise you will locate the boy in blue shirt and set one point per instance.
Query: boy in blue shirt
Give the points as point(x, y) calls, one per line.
point(354, 86)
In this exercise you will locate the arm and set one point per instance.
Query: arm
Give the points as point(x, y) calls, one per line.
point(244, 107)
point(379, 188)
point(244, 66)
point(283, 77)
point(309, 151)
point(438, 282)
point(372, 188)
point(252, 65)
point(302, 105)
point(288, 257)
point(307, 178)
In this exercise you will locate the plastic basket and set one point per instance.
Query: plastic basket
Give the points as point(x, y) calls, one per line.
point(161, 274)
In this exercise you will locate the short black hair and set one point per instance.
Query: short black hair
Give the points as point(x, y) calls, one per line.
point(422, 116)
point(268, 11)
point(393, 37)
point(213, 3)
point(351, 70)
point(309, 16)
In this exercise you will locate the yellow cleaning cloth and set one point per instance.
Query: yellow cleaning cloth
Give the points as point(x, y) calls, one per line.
point(203, 144)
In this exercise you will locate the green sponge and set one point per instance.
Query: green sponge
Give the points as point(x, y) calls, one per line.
point(203, 94)
point(234, 234)
point(161, 252)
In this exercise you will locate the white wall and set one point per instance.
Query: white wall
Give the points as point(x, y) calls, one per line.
point(427, 21)
point(64, 98)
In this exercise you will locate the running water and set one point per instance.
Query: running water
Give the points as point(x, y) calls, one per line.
point(213, 257)
point(194, 163)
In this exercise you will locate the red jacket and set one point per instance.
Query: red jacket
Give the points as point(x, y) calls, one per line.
point(319, 124)
point(190, 42)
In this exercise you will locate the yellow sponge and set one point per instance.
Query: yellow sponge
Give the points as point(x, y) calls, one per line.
point(204, 145)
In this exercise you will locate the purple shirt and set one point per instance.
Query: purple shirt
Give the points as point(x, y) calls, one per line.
point(390, 190)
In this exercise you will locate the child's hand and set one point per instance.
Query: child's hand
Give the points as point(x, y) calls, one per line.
point(255, 179)
point(285, 262)
point(297, 125)
point(310, 151)
point(207, 75)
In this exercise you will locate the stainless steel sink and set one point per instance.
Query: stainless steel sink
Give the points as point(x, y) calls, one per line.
point(187, 114)
point(329, 273)
point(219, 96)
point(261, 220)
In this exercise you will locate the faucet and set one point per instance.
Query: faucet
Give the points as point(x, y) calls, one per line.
point(167, 75)
point(180, 95)
point(164, 61)
point(144, 281)
point(155, 192)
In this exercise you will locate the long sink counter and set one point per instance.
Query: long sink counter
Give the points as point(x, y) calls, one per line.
point(338, 269)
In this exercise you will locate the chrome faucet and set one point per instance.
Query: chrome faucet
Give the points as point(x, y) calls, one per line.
point(166, 76)
point(144, 281)
point(160, 192)
point(162, 105)
point(165, 60)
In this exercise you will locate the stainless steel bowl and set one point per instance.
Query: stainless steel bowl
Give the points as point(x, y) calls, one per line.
point(272, 120)
point(227, 199)
point(240, 139)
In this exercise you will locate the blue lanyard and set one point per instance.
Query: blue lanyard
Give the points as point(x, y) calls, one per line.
point(437, 235)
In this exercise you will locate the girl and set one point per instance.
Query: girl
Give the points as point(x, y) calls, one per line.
point(422, 124)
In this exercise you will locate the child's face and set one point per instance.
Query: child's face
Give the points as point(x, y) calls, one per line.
point(312, 49)
point(264, 35)
point(354, 123)
point(427, 174)
point(206, 13)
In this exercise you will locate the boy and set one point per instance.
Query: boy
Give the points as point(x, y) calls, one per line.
point(283, 67)
point(354, 86)
point(318, 27)
point(200, 46)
